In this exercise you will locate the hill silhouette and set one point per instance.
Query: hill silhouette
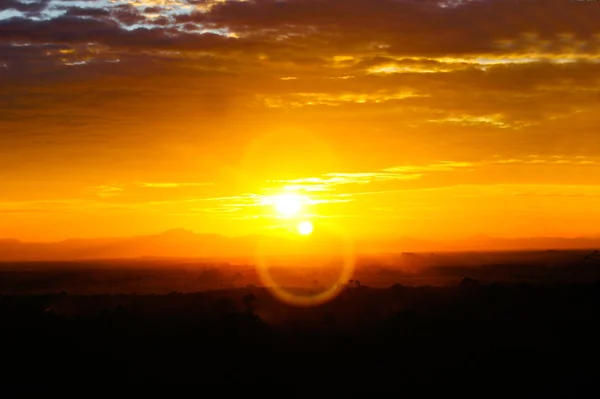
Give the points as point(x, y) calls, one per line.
point(185, 243)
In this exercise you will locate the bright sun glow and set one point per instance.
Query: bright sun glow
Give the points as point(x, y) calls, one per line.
point(288, 204)
point(305, 228)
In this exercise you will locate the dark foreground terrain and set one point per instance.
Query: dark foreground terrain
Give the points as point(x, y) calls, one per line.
point(476, 339)
point(521, 324)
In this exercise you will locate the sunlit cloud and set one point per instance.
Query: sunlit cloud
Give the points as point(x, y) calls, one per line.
point(242, 199)
point(365, 178)
point(445, 166)
point(59, 207)
point(312, 99)
point(107, 190)
point(170, 184)
point(390, 69)
point(579, 160)
point(226, 208)
point(329, 181)
point(469, 120)
point(518, 190)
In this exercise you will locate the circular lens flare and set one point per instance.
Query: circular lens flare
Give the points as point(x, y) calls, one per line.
point(305, 228)
point(265, 263)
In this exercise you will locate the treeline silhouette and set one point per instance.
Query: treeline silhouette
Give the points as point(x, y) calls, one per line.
point(161, 276)
point(531, 339)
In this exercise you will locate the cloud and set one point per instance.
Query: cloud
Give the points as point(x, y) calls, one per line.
point(312, 99)
point(29, 8)
point(170, 184)
point(329, 181)
point(59, 207)
point(334, 188)
point(107, 190)
point(556, 191)
point(445, 166)
point(578, 160)
point(466, 120)
point(285, 29)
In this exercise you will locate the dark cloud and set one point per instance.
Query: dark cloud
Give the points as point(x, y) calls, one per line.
point(110, 32)
point(407, 27)
point(325, 26)
point(153, 10)
point(31, 8)
point(87, 12)
point(127, 14)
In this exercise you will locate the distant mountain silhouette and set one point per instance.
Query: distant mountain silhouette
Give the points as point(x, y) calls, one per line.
point(185, 243)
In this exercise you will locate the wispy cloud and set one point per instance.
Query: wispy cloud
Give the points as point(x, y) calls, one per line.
point(111, 190)
point(552, 190)
point(308, 99)
point(500, 191)
point(60, 206)
point(107, 190)
point(495, 120)
point(242, 199)
point(227, 206)
point(171, 184)
point(329, 181)
point(579, 160)
point(444, 166)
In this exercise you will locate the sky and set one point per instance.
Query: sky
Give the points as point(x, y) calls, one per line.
point(433, 119)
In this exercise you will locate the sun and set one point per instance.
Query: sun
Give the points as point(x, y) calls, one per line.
point(288, 204)
point(305, 228)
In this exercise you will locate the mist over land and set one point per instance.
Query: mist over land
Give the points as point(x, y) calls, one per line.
point(184, 243)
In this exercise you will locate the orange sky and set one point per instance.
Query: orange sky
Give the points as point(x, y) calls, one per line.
point(433, 119)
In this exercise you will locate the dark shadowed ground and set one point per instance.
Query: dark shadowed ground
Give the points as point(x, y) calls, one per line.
point(489, 334)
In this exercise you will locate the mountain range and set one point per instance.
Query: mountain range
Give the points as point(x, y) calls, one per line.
point(184, 243)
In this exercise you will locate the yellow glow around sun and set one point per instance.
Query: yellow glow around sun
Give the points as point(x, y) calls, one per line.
point(288, 204)
point(305, 228)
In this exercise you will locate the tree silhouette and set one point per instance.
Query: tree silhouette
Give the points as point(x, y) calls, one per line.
point(353, 284)
point(469, 282)
point(249, 301)
point(595, 256)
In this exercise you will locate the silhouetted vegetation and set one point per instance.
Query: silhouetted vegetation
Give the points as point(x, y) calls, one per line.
point(529, 338)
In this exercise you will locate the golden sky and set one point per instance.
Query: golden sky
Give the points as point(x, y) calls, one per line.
point(433, 118)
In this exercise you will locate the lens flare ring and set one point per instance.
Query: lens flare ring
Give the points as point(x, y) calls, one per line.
point(349, 259)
